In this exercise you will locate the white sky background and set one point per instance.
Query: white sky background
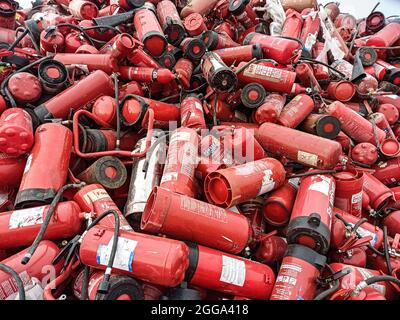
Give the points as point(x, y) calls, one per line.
point(358, 8)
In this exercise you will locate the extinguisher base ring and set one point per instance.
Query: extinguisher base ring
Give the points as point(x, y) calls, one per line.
point(300, 226)
point(32, 196)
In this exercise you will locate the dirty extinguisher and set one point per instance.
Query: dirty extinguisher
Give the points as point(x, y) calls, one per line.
point(226, 273)
point(298, 274)
point(149, 258)
point(192, 113)
point(220, 229)
point(37, 185)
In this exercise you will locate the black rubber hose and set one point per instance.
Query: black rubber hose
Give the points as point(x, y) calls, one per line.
point(324, 294)
point(385, 278)
point(105, 284)
point(85, 283)
point(386, 250)
point(103, 27)
point(46, 221)
point(326, 65)
point(17, 278)
point(311, 173)
point(18, 40)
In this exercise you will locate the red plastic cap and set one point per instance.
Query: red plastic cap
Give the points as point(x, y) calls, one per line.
point(25, 87)
point(131, 110)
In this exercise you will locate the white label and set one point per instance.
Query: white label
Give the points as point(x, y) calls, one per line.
point(233, 271)
point(123, 256)
point(198, 106)
point(26, 217)
point(356, 198)
point(267, 184)
point(294, 182)
point(96, 194)
point(180, 136)
point(307, 158)
point(169, 176)
point(322, 186)
point(28, 164)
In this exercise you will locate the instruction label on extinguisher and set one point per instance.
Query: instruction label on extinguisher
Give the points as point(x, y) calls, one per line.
point(307, 158)
point(233, 271)
point(123, 256)
point(26, 217)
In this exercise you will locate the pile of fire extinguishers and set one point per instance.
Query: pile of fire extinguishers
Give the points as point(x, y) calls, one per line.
point(209, 149)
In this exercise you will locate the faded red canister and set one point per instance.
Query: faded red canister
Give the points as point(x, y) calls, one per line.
point(378, 193)
point(182, 159)
point(37, 185)
point(297, 277)
point(51, 42)
point(8, 14)
point(296, 111)
point(83, 9)
point(184, 69)
point(226, 273)
point(194, 24)
point(170, 21)
point(388, 172)
point(16, 132)
point(354, 125)
point(25, 87)
point(321, 125)
point(279, 204)
point(390, 111)
point(342, 90)
point(94, 85)
point(218, 228)
point(230, 186)
point(293, 24)
point(270, 110)
point(349, 189)
point(149, 31)
point(311, 219)
point(339, 232)
point(94, 198)
point(153, 259)
point(192, 115)
point(279, 49)
point(299, 146)
point(93, 62)
point(365, 153)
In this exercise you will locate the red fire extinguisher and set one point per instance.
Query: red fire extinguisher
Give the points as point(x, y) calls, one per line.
point(93, 62)
point(145, 74)
point(226, 273)
point(120, 46)
point(20, 227)
point(279, 204)
point(378, 193)
point(149, 258)
point(272, 79)
point(83, 9)
point(297, 277)
point(293, 24)
point(239, 54)
point(230, 186)
point(270, 110)
point(216, 227)
point(296, 111)
point(299, 146)
point(244, 12)
point(281, 50)
point(140, 58)
point(95, 85)
point(94, 198)
point(388, 172)
point(170, 21)
point(194, 24)
point(349, 189)
point(149, 31)
point(121, 287)
point(310, 30)
point(271, 250)
point(16, 132)
point(39, 267)
point(51, 41)
point(214, 40)
point(192, 115)
point(358, 128)
point(311, 219)
point(321, 125)
point(182, 158)
point(384, 71)
point(37, 185)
